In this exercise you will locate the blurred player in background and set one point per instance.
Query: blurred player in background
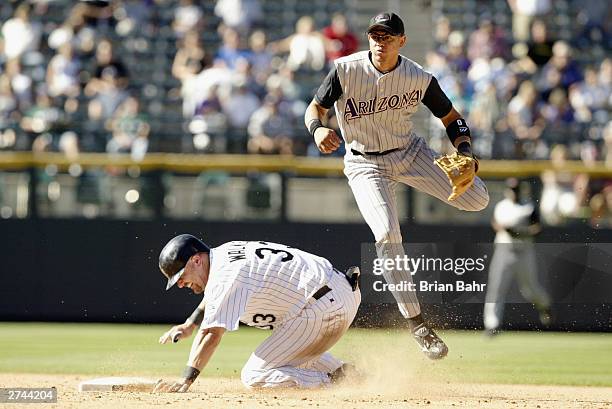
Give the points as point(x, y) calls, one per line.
point(516, 224)
point(306, 303)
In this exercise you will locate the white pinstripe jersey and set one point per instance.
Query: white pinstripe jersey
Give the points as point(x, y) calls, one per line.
point(374, 109)
point(260, 283)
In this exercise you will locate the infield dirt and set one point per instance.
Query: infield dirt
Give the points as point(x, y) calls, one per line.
point(222, 393)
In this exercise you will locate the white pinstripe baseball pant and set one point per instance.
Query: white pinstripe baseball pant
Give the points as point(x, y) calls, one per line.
point(510, 259)
point(295, 355)
point(373, 180)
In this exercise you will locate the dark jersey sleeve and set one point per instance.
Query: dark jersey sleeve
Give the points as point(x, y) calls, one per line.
point(436, 100)
point(330, 90)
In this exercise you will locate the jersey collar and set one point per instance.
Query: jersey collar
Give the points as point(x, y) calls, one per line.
point(399, 61)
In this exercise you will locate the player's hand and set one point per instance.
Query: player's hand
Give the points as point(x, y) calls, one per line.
point(177, 332)
point(326, 140)
point(179, 386)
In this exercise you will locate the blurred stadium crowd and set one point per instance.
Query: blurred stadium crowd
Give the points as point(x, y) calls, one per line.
point(160, 75)
point(534, 77)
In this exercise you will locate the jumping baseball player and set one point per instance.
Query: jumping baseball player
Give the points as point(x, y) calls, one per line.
point(515, 224)
point(375, 93)
point(306, 303)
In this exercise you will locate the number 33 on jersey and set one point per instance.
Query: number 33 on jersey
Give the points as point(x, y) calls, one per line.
point(260, 283)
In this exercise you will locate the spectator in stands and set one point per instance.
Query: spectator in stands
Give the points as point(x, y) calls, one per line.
point(42, 119)
point(259, 56)
point(540, 45)
point(594, 18)
point(8, 103)
point(557, 112)
point(244, 73)
point(435, 62)
point(194, 90)
point(20, 83)
point(441, 32)
point(238, 106)
point(488, 42)
point(283, 83)
point(522, 65)
point(455, 54)
point(191, 57)
point(485, 113)
point(105, 58)
point(605, 78)
point(240, 15)
point(61, 35)
point(133, 14)
point(187, 17)
point(94, 14)
point(209, 125)
point(588, 96)
point(523, 13)
point(130, 130)
point(9, 115)
point(63, 72)
point(231, 50)
point(110, 93)
point(306, 47)
point(523, 116)
point(20, 34)
point(270, 129)
point(340, 40)
point(563, 62)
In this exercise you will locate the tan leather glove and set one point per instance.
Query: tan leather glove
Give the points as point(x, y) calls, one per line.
point(460, 170)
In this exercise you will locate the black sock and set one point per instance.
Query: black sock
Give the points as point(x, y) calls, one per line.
point(414, 322)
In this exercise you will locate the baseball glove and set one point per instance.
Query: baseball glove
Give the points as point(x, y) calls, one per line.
point(460, 170)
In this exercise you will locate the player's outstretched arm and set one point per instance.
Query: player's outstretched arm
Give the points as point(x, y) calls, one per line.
point(326, 139)
point(185, 329)
point(204, 345)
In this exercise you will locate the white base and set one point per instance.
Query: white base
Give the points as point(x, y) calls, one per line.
point(118, 383)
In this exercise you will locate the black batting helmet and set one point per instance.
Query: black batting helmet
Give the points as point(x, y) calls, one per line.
point(176, 253)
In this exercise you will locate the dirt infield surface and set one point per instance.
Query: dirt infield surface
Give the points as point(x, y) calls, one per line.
point(221, 393)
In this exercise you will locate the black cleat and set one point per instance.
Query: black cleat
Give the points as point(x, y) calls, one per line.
point(545, 316)
point(340, 374)
point(491, 332)
point(431, 345)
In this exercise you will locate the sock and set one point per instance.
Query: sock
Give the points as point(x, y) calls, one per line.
point(415, 321)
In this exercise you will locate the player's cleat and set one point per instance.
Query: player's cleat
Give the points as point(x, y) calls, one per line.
point(491, 332)
point(340, 374)
point(431, 345)
point(545, 316)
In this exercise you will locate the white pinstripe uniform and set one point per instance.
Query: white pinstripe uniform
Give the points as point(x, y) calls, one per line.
point(374, 113)
point(512, 256)
point(271, 286)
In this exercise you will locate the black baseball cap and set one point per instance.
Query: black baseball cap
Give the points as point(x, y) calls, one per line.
point(389, 22)
point(175, 255)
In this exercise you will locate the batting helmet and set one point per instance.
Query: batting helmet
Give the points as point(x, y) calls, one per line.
point(176, 253)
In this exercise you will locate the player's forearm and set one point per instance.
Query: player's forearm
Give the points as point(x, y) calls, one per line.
point(458, 132)
point(453, 115)
point(197, 316)
point(203, 347)
point(314, 112)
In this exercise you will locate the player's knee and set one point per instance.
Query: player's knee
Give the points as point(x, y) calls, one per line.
point(477, 201)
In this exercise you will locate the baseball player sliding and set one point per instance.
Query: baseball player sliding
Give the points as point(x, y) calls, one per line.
point(306, 303)
point(375, 93)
